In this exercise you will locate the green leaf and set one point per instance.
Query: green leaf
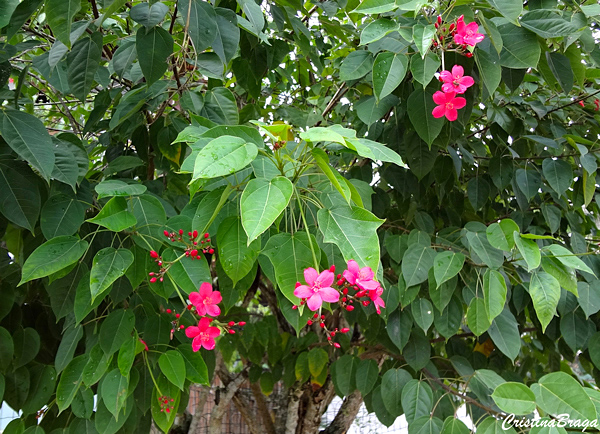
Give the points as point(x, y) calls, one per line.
point(172, 365)
point(477, 317)
point(202, 24)
point(515, 398)
point(565, 276)
point(478, 191)
point(389, 70)
point(151, 217)
point(545, 293)
point(114, 392)
point(423, 69)
point(454, 426)
point(228, 34)
point(488, 65)
point(114, 215)
point(356, 65)
point(366, 376)
point(108, 265)
point(148, 15)
point(504, 332)
point(188, 273)
point(422, 313)
point(69, 382)
point(423, 35)
point(290, 254)
point(567, 258)
point(354, 231)
point(372, 7)
point(416, 263)
point(369, 110)
point(220, 106)
point(561, 69)
point(19, 193)
point(43, 382)
point(124, 56)
point(399, 325)
point(223, 156)
point(559, 393)
point(480, 246)
point(6, 10)
point(59, 14)
point(510, 9)
point(96, 366)
point(52, 256)
point(115, 330)
point(374, 150)
point(154, 46)
point(494, 293)
point(417, 350)
point(589, 297)
point(336, 180)
point(317, 361)
point(377, 30)
point(114, 187)
point(417, 400)
point(500, 235)
point(127, 355)
point(392, 384)
point(529, 182)
point(27, 346)
point(548, 24)
point(195, 367)
point(28, 137)
point(236, 255)
point(7, 349)
point(446, 265)
point(321, 134)
point(558, 173)
point(529, 250)
point(520, 47)
point(421, 105)
point(262, 203)
point(67, 347)
point(343, 372)
point(61, 215)
point(82, 63)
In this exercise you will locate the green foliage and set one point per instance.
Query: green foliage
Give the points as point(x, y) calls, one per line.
point(297, 135)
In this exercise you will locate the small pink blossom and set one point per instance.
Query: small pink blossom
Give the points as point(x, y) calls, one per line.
point(362, 277)
point(206, 300)
point(456, 81)
point(467, 34)
point(448, 104)
point(318, 290)
point(203, 335)
point(375, 296)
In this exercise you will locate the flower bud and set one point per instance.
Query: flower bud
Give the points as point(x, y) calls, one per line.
point(153, 254)
point(180, 231)
point(206, 235)
point(332, 268)
point(231, 332)
point(336, 345)
point(345, 330)
point(211, 251)
point(231, 323)
point(349, 308)
point(153, 279)
point(167, 234)
point(242, 323)
point(309, 322)
point(194, 252)
point(194, 234)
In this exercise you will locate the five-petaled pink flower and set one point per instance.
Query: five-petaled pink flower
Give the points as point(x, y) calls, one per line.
point(448, 104)
point(456, 81)
point(203, 335)
point(466, 34)
point(361, 277)
point(318, 290)
point(375, 296)
point(206, 300)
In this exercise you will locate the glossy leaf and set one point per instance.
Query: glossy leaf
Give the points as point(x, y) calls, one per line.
point(223, 156)
point(494, 293)
point(114, 215)
point(389, 70)
point(545, 293)
point(153, 45)
point(529, 251)
point(421, 104)
point(20, 200)
point(115, 330)
point(83, 61)
point(446, 265)
point(172, 365)
point(108, 265)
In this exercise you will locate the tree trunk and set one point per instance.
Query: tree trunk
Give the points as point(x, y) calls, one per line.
point(345, 415)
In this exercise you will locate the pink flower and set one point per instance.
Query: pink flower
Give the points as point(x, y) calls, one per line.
point(466, 34)
point(456, 81)
point(206, 300)
point(375, 295)
point(362, 277)
point(318, 290)
point(203, 335)
point(448, 104)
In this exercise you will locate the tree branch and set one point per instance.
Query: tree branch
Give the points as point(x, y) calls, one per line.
point(262, 408)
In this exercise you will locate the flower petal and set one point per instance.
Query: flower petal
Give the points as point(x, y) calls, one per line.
point(204, 324)
point(439, 111)
point(448, 87)
point(303, 291)
point(467, 81)
point(446, 75)
point(459, 102)
point(459, 38)
point(209, 344)
point(310, 275)
point(213, 310)
point(195, 298)
point(329, 294)
point(325, 279)
point(369, 285)
point(201, 309)
point(457, 71)
point(451, 114)
point(353, 267)
point(314, 302)
point(196, 344)
point(213, 332)
point(216, 297)
point(192, 331)
point(350, 277)
point(439, 98)
point(205, 289)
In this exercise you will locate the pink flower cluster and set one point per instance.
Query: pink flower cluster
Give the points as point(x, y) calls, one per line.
point(455, 82)
point(319, 287)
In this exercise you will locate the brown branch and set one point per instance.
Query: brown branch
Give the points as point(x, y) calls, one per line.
point(263, 410)
point(308, 14)
point(345, 415)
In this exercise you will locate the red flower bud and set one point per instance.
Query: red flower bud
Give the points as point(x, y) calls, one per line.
point(451, 27)
point(345, 330)
point(439, 19)
point(322, 325)
point(309, 322)
point(168, 310)
point(153, 279)
point(177, 315)
point(206, 235)
point(194, 252)
point(167, 234)
point(436, 25)
point(581, 103)
point(153, 254)
point(181, 327)
point(469, 55)
point(211, 251)
point(242, 323)
point(349, 308)
point(231, 332)
point(189, 307)
point(180, 231)
point(339, 276)
point(336, 345)
point(332, 268)
point(231, 323)
point(195, 234)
